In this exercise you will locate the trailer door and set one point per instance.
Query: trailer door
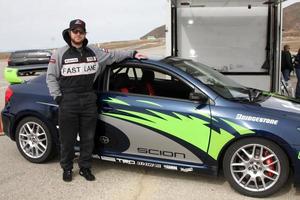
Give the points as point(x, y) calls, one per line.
point(236, 37)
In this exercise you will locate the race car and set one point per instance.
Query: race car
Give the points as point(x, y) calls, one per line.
point(174, 114)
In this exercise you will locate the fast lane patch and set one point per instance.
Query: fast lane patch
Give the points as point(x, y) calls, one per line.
point(79, 69)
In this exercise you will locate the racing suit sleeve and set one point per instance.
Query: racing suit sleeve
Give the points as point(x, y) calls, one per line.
point(105, 58)
point(53, 74)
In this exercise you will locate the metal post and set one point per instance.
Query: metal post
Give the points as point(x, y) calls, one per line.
point(277, 54)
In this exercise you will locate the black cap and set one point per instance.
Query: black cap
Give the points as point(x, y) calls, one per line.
point(77, 23)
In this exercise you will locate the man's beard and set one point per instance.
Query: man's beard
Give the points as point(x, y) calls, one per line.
point(77, 43)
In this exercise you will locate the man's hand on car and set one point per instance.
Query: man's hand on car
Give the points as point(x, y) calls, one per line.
point(140, 56)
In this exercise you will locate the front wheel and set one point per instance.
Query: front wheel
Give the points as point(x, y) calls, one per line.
point(34, 140)
point(256, 167)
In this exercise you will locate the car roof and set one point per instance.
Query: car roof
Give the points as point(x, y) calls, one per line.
point(32, 50)
point(165, 62)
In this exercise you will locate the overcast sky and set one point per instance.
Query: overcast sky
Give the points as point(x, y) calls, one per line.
point(31, 24)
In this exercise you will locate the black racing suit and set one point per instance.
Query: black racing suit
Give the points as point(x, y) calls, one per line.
point(70, 77)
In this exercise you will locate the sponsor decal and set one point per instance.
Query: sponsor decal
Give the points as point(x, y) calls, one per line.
point(161, 153)
point(71, 60)
point(147, 164)
point(111, 159)
point(79, 69)
point(52, 60)
point(104, 139)
point(125, 161)
point(91, 59)
point(256, 119)
point(170, 167)
point(189, 169)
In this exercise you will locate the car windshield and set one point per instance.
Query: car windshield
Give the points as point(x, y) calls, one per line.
point(221, 84)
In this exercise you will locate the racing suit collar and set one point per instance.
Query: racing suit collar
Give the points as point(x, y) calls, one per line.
point(67, 38)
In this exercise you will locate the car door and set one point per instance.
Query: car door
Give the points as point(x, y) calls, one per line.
point(166, 127)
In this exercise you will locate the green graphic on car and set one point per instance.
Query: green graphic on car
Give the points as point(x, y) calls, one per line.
point(11, 75)
point(116, 101)
point(189, 128)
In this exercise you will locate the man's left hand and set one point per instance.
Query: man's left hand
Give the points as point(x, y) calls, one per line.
point(140, 56)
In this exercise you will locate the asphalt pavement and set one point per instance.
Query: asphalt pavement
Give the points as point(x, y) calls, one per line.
point(20, 179)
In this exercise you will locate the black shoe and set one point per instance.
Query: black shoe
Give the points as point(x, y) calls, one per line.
point(67, 175)
point(87, 174)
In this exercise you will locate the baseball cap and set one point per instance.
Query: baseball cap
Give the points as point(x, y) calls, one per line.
point(77, 23)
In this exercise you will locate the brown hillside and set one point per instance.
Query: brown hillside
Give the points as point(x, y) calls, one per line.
point(291, 20)
point(159, 32)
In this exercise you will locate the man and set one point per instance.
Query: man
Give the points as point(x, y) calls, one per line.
point(286, 63)
point(71, 73)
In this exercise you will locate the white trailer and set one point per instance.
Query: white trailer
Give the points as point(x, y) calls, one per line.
point(240, 38)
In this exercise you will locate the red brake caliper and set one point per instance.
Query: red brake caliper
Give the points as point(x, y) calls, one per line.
point(269, 161)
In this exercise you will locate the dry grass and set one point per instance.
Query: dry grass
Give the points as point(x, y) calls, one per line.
point(4, 55)
point(132, 44)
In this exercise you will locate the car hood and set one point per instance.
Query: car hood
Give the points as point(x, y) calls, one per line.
point(280, 103)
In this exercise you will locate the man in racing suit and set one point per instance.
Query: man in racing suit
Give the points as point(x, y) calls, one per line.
point(71, 73)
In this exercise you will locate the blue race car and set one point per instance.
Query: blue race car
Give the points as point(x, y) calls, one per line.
point(174, 114)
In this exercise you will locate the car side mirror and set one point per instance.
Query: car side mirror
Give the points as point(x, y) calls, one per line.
point(197, 96)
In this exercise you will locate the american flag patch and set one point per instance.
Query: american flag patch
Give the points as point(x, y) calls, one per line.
point(53, 61)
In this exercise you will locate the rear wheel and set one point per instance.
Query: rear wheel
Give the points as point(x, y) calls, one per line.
point(34, 140)
point(256, 167)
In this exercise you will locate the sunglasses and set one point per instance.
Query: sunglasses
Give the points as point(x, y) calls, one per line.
point(76, 31)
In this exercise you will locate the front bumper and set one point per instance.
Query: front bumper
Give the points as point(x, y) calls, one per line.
point(8, 122)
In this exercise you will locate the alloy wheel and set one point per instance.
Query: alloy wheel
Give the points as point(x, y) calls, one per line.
point(255, 167)
point(33, 140)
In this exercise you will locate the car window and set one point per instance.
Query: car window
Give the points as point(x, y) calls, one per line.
point(139, 74)
point(140, 80)
point(221, 84)
point(19, 55)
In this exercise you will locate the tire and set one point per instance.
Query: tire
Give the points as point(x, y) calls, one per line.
point(34, 140)
point(244, 166)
